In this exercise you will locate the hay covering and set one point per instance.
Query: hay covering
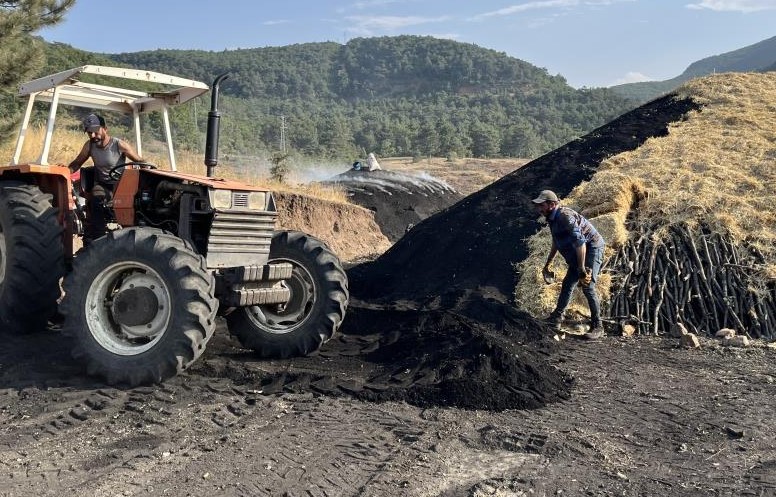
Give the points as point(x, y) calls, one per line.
point(716, 170)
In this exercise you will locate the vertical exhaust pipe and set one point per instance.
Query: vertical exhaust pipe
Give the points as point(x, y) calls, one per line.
point(213, 126)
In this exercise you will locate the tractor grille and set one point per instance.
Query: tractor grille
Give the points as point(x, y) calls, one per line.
point(240, 238)
point(239, 200)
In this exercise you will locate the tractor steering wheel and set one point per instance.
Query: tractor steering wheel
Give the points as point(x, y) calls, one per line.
point(115, 171)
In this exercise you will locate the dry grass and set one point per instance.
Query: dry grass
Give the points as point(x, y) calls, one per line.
point(716, 168)
point(66, 144)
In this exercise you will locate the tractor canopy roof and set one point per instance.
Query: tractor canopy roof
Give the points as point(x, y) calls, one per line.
point(73, 91)
point(72, 88)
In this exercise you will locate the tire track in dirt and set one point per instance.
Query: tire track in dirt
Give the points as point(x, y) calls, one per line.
point(64, 439)
point(49, 414)
point(61, 430)
point(297, 445)
point(334, 456)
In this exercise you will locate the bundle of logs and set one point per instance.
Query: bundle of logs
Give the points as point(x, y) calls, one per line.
point(694, 277)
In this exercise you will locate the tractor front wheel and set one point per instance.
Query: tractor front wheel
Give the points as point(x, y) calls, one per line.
point(139, 305)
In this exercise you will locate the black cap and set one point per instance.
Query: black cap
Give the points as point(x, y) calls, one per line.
point(93, 122)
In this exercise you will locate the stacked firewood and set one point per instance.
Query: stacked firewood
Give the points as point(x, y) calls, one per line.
point(698, 278)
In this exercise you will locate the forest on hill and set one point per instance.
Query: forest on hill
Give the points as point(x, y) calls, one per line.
point(395, 96)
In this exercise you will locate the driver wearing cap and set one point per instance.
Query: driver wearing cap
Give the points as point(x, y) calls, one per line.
point(106, 152)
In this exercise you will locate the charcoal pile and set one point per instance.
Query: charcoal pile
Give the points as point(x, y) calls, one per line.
point(400, 201)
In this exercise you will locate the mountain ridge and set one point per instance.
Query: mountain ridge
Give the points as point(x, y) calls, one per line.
point(758, 57)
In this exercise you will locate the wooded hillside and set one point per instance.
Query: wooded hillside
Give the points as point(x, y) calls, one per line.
point(395, 96)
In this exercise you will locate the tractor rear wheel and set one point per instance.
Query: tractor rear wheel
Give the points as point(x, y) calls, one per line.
point(31, 257)
point(140, 306)
point(319, 297)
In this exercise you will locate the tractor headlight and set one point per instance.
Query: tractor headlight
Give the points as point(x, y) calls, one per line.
point(257, 201)
point(222, 199)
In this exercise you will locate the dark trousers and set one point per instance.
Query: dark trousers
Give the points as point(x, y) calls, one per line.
point(98, 212)
point(594, 258)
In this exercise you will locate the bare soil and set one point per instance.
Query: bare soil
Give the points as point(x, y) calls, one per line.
point(351, 231)
point(436, 386)
point(644, 417)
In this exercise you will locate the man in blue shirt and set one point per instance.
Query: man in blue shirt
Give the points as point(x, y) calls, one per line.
point(582, 247)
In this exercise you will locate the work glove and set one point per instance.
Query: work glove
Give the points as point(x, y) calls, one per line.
point(585, 276)
point(548, 275)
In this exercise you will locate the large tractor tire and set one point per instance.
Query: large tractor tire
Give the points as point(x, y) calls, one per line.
point(319, 297)
point(31, 257)
point(140, 306)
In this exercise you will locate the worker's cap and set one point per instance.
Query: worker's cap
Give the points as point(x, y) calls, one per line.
point(546, 196)
point(93, 123)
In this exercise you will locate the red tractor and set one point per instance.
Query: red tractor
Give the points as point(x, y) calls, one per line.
point(141, 302)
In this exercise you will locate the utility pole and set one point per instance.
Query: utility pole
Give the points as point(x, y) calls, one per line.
point(282, 134)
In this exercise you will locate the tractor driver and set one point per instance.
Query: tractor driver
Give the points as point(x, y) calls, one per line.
point(106, 152)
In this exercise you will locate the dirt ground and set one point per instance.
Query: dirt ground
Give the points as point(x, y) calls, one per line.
point(644, 417)
point(436, 386)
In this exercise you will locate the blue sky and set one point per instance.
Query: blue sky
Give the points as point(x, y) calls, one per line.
point(589, 42)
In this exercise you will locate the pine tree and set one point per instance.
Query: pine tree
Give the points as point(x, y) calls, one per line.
point(279, 169)
point(22, 54)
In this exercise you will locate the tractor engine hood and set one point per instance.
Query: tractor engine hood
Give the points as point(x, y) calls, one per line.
point(210, 182)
